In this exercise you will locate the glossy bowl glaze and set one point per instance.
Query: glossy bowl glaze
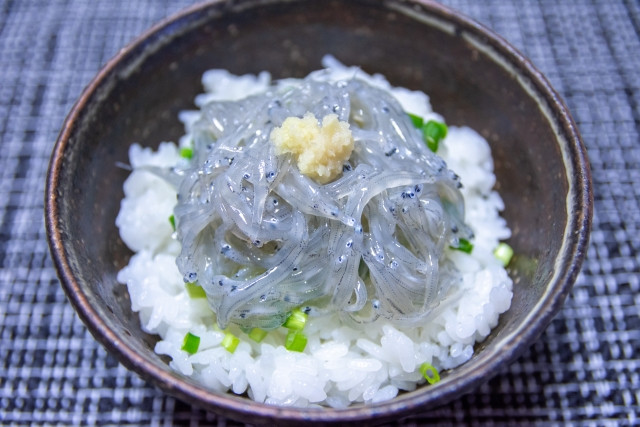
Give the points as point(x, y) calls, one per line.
point(473, 77)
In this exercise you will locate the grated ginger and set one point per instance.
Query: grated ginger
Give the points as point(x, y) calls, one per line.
point(320, 150)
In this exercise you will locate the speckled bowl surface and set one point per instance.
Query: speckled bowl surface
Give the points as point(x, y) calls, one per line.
point(473, 77)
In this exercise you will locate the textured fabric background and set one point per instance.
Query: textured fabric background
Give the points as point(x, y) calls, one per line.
point(584, 370)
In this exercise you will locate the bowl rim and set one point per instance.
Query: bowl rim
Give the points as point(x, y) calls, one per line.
point(568, 262)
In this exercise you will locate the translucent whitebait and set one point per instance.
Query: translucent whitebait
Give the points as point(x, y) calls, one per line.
point(263, 239)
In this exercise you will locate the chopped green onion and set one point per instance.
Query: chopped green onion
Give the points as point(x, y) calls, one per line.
point(416, 120)
point(186, 152)
point(296, 320)
point(433, 132)
point(191, 343)
point(257, 334)
point(230, 342)
point(464, 246)
point(429, 373)
point(296, 341)
point(504, 253)
point(172, 221)
point(194, 290)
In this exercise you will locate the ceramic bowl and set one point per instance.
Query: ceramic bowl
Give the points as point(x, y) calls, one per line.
point(473, 77)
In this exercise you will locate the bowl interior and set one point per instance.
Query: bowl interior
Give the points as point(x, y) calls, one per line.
point(472, 79)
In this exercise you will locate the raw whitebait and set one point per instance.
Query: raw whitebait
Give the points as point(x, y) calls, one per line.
point(262, 239)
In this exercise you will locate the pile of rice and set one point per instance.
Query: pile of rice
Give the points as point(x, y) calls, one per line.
point(340, 365)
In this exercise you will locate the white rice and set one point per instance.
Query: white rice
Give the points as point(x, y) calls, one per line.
point(340, 365)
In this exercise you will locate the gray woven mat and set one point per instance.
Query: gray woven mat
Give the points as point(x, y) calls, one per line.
point(585, 369)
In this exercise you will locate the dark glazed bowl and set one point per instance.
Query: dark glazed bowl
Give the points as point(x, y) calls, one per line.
point(472, 76)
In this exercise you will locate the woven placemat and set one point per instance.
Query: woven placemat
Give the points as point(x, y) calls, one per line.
point(585, 369)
